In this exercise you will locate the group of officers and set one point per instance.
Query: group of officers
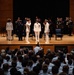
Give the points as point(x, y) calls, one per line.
point(66, 26)
point(38, 27)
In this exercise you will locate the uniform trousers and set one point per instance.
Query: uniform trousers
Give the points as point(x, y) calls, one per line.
point(9, 34)
point(27, 36)
point(47, 37)
point(37, 34)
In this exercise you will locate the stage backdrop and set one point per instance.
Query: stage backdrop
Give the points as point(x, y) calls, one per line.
point(6, 11)
point(41, 8)
point(72, 9)
point(53, 8)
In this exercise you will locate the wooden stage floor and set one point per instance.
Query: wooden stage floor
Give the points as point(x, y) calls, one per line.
point(66, 40)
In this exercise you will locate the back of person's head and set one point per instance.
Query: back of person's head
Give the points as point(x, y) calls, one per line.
point(1, 72)
point(14, 64)
point(48, 51)
point(62, 59)
point(41, 60)
point(25, 50)
point(47, 61)
point(5, 67)
point(68, 56)
point(34, 58)
point(1, 60)
point(38, 57)
point(41, 53)
point(10, 52)
point(50, 56)
point(26, 71)
point(30, 53)
point(26, 57)
point(69, 61)
point(15, 51)
point(36, 69)
point(17, 73)
point(62, 73)
point(54, 70)
point(20, 58)
point(14, 58)
point(66, 69)
point(44, 68)
point(32, 73)
point(30, 63)
point(18, 53)
point(39, 66)
point(2, 50)
point(24, 63)
point(3, 55)
point(13, 70)
point(57, 63)
point(7, 58)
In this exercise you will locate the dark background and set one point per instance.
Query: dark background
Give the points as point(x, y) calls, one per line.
point(41, 8)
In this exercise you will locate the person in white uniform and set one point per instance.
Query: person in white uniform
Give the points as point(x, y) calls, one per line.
point(9, 28)
point(46, 31)
point(28, 24)
point(37, 30)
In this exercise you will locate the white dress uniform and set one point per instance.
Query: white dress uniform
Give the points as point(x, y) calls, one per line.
point(47, 32)
point(37, 29)
point(9, 28)
point(28, 24)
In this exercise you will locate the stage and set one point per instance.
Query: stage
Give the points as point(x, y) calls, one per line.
point(66, 41)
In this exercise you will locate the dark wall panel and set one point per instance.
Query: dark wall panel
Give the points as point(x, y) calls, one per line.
point(72, 9)
point(37, 8)
point(6, 11)
point(41, 8)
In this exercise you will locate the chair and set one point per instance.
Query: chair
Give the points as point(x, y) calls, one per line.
point(58, 33)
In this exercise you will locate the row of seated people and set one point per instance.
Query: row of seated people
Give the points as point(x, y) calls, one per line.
point(34, 62)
